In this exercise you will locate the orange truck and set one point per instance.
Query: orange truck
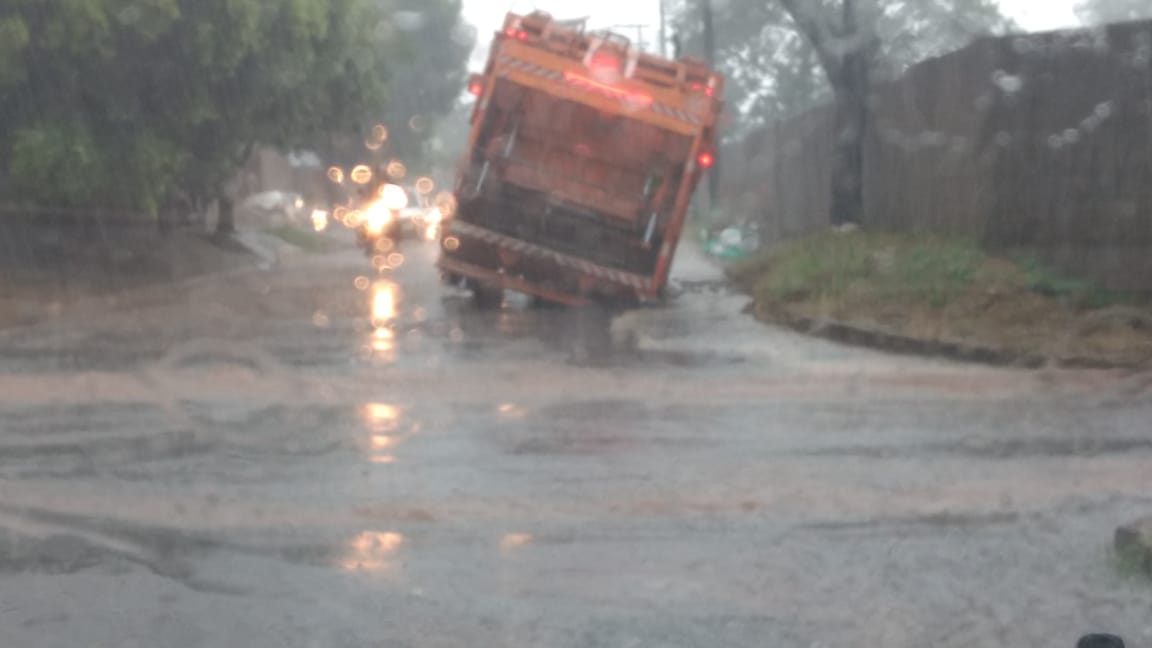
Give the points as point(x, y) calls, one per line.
point(582, 158)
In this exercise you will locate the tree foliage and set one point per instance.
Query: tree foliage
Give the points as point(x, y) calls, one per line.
point(1095, 12)
point(774, 70)
point(129, 103)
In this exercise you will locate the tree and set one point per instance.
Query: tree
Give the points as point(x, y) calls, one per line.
point(428, 79)
point(773, 70)
point(1095, 12)
point(130, 104)
point(845, 50)
point(783, 56)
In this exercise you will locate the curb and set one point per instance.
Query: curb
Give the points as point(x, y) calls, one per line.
point(894, 342)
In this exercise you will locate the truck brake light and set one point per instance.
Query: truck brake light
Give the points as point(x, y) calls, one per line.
point(476, 88)
point(518, 34)
point(705, 160)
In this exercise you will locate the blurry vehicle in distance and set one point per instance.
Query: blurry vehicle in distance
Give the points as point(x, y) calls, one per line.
point(380, 217)
point(272, 209)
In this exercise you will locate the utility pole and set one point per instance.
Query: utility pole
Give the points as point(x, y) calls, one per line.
point(710, 57)
point(663, 30)
point(639, 42)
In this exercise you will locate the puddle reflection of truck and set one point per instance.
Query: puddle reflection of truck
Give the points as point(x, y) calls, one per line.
point(583, 156)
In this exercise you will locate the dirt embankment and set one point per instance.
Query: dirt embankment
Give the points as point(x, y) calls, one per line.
point(941, 296)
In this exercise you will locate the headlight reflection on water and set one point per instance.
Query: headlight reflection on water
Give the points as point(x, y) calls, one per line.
point(371, 551)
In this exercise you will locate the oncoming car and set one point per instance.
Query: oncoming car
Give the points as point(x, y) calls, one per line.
point(381, 217)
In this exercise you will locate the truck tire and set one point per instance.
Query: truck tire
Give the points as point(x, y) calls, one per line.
point(484, 296)
point(590, 335)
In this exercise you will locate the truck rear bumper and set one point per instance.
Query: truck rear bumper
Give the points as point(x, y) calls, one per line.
point(507, 282)
point(519, 260)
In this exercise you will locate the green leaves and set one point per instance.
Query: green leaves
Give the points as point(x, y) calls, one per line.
point(13, 40)
point(121, 102)
point(1095, 12)
point(773, 71)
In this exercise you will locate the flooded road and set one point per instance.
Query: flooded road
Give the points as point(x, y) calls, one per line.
point(325, 456)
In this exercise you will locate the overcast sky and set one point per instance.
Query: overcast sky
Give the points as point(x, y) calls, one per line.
point(488, 15)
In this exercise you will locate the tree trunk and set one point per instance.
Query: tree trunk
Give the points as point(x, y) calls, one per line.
point(845, 51)
point(851, 91)
point(226, 219)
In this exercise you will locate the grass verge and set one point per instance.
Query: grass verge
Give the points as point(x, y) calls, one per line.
point(1131, 565)
point(306, 240)
point(947, 290)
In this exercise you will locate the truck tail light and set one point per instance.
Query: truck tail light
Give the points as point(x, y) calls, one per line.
point(517, 34)
point(476, 85)
point(705, 160)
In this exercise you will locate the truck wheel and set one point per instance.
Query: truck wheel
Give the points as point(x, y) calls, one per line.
point(591, 334)
point(539, 303)
point(485, 297)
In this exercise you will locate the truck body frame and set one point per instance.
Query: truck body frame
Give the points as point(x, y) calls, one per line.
point(582, 159)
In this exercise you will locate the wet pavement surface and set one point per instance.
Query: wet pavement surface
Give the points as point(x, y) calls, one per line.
point(323, 456)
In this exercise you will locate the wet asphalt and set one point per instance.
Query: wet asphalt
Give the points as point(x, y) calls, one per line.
point(323, 455)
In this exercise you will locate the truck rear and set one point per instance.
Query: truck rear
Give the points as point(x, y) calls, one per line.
point(583, 156)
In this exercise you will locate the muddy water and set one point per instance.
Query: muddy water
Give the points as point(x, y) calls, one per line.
point(293, 459)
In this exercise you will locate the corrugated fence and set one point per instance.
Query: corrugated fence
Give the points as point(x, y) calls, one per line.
point(1035, 143)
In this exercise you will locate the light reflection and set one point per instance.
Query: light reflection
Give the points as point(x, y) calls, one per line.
point(425, 185)
point(511, 410)
point(383, 441)
point(393, 196)
point(381, 412)
point(515, 540)
point(397, 170)
point(383, 304)
point(384, 343)
point(336, 174)
point(446, 203)
point(371, 551)
point(319, 220)
point(361, 174)
point(382, 420)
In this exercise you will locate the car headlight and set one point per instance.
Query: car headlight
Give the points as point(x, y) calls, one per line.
point(377, 217)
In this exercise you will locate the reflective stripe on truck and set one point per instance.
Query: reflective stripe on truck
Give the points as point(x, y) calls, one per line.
point(635, 281)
